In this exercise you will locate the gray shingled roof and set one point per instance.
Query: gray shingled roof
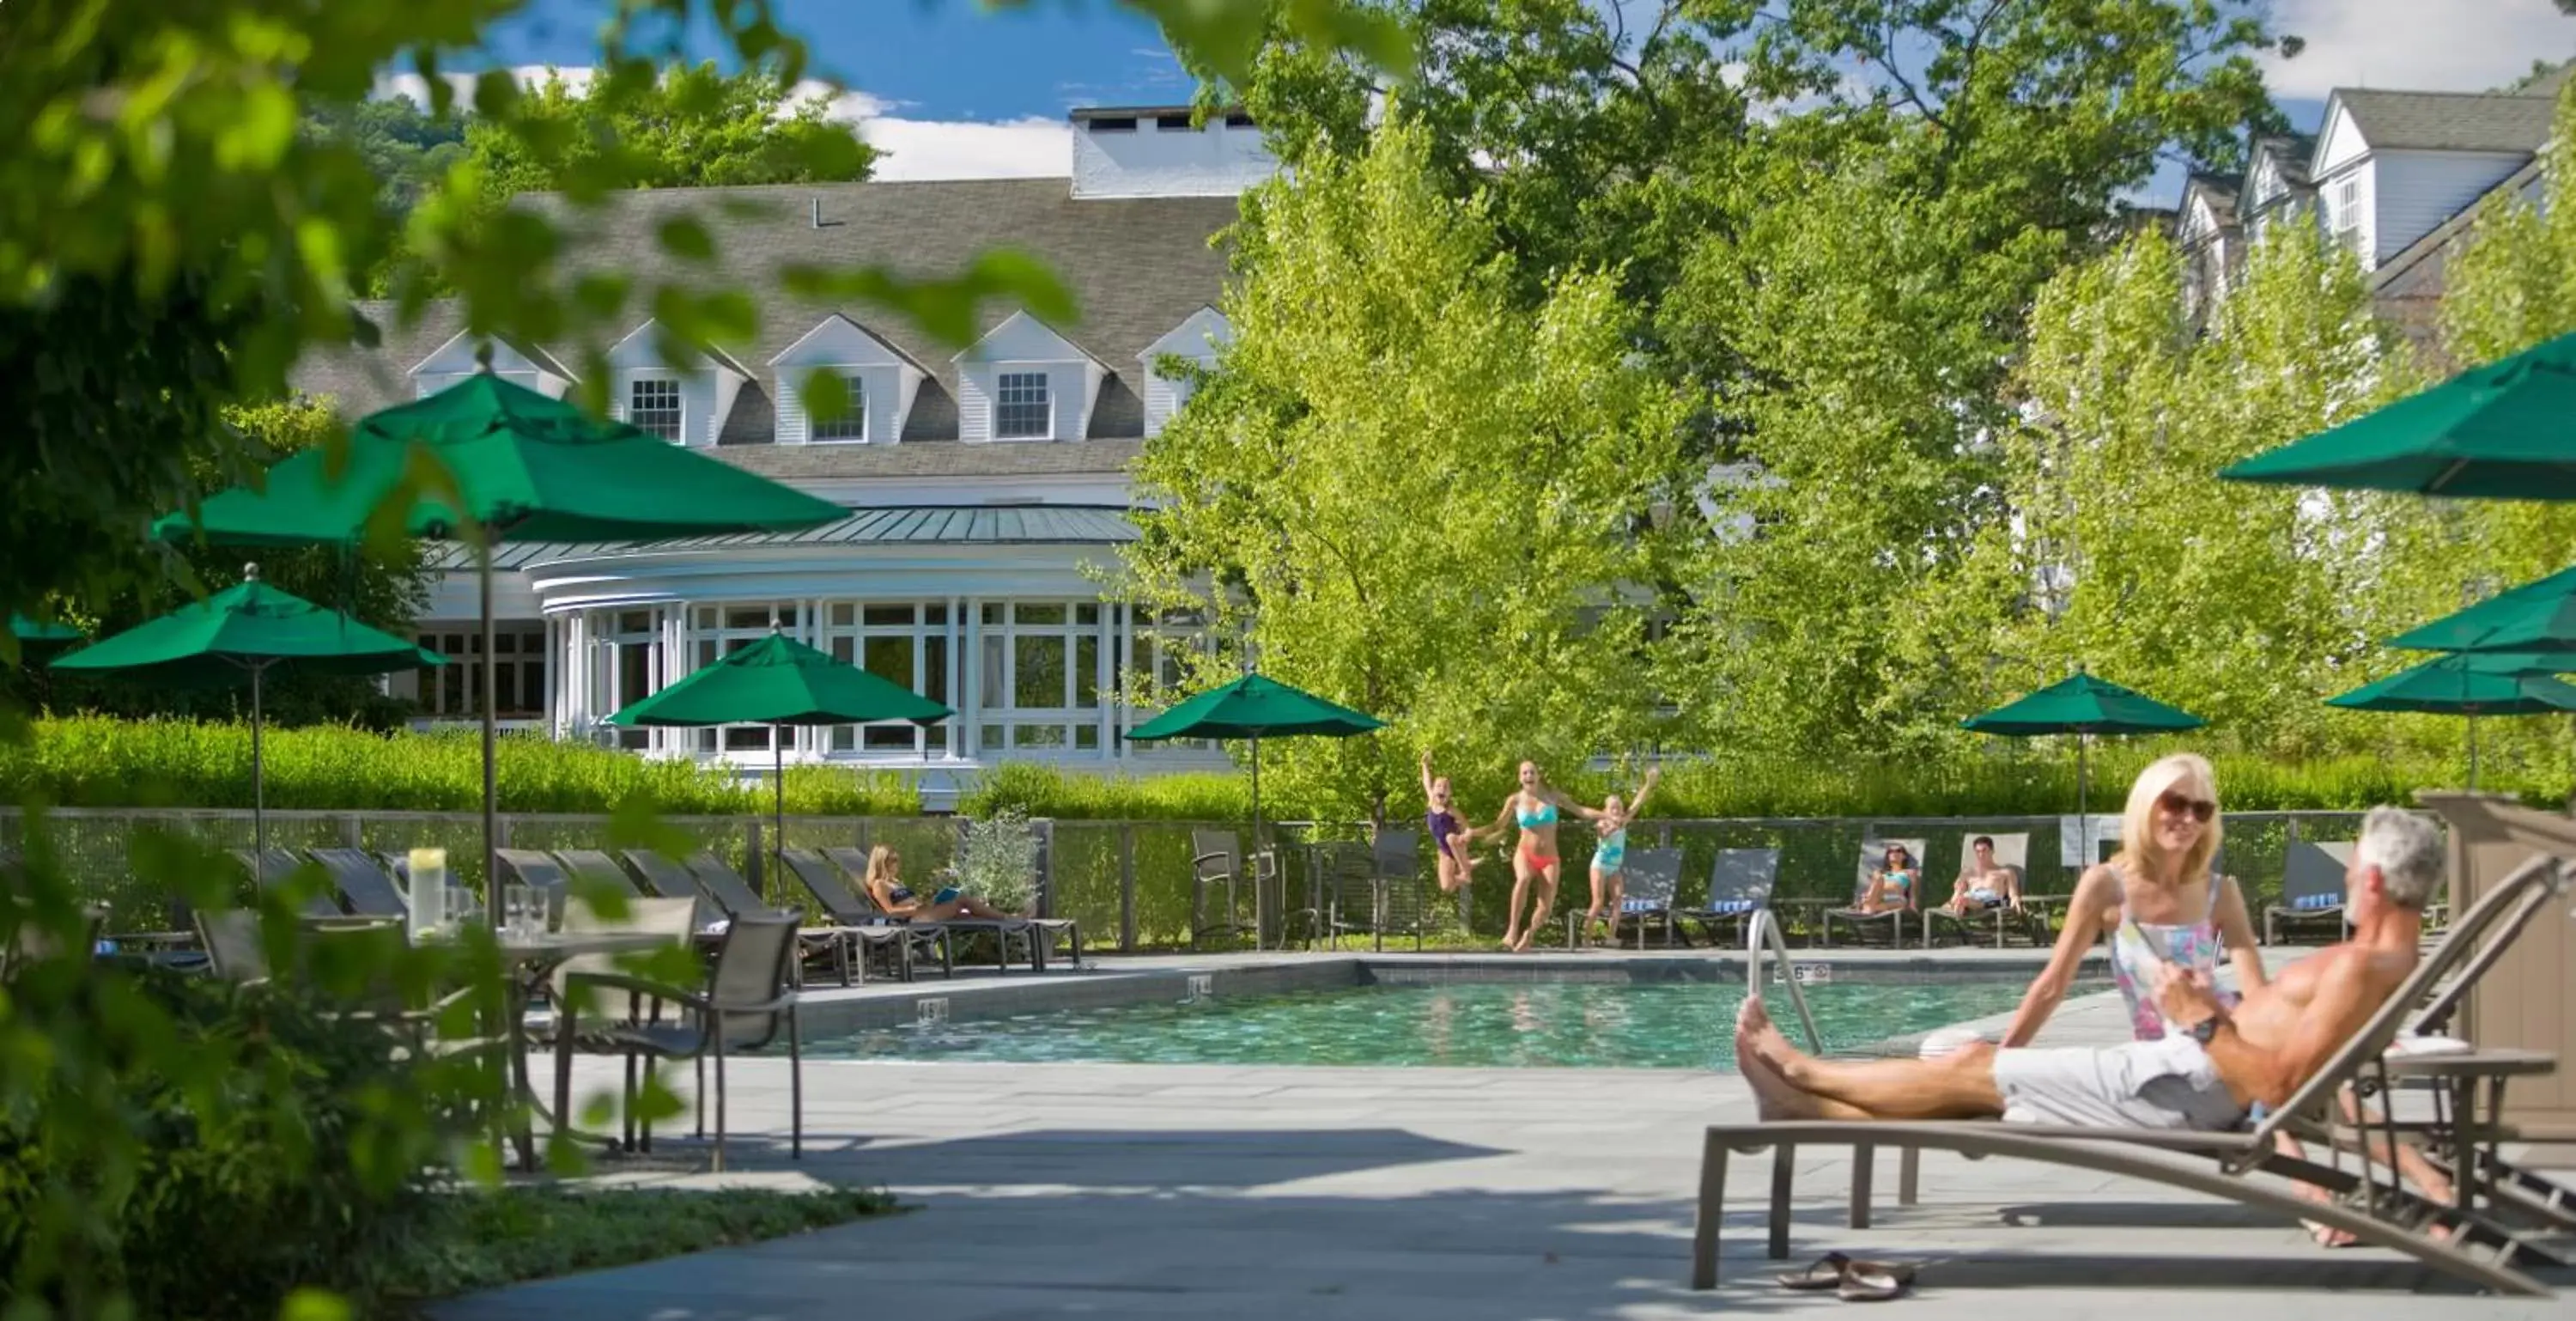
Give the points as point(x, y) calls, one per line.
point(1137, 267)
point(916, 525)
point(2448, 121)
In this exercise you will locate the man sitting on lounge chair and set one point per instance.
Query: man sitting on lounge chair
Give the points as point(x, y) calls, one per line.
point(1984, 882)
point(2213, 1064)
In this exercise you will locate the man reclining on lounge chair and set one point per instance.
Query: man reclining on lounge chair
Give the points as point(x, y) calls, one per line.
point(2213, 1063)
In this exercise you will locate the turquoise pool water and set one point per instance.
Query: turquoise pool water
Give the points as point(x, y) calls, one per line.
point(1505, 1025)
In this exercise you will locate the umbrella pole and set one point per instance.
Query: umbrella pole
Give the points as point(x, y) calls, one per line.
point(2473, 752)
point(259, 776)
point(1257, 931)
point(491, 781)
point(2083, 818)
point(778, 801)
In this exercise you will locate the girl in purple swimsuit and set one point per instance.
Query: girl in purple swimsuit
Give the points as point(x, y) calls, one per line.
point(1448, 833)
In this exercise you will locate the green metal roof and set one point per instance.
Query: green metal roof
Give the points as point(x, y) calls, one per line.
point(896, 525)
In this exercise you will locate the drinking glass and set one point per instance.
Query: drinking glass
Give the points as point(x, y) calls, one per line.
point(519, 905)
point(462, 907)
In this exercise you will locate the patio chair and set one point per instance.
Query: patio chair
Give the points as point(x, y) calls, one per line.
point(666, 879)
point(669, 918)
point(234, 951)
point(272, 869)
point(1873, 855)
point(2311, 891)
point(861, 926)
point(2012, 851)
point(1650, 881)
point(1375, 889)
point(2439, 1235)
point(1034, 936)
point(364, 884)
point(1739, 885)
point(1216, 860)
point(747, 1001)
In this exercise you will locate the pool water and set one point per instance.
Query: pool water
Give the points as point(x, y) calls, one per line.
point(1483, 1025)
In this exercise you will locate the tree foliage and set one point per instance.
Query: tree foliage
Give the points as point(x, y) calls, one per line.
point(1404, 491)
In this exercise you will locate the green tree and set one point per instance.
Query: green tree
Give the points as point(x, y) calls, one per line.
point(1404, 491)
point(696, 127)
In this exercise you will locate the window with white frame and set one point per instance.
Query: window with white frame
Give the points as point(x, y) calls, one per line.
point(851, 423)
point(454, 691)
point(1022, 409)
point(2343, 211)
point(1040, 663)
point(633, 643)
point(1153, 668)
point(718, 631)
point(902, 642)
point(653, 404)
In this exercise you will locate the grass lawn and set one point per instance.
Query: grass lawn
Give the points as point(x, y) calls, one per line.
point(506, 1235)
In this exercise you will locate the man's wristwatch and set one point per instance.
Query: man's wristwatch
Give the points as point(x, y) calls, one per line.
point(2206, 1030)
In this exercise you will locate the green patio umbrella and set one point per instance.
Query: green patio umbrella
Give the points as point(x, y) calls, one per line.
point(2083, 706)
point(1254, 708)
point(36, 635)
point(779, 681)
point(2496, 684)
point(484, 461)
point(2504, 431)
point(2535, 617)
point(245, 631)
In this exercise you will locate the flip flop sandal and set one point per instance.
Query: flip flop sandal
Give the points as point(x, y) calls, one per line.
point(1860, 1285)
point(1900, 1271)
point(1827, 1272)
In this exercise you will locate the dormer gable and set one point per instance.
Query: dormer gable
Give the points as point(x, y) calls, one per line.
point(1025, 382)
point(1199, 339)
point(518, 363)
point(680, 393)
point(2339, 139)
point(882, 380)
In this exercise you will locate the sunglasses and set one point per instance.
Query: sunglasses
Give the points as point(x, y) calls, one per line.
point(2201, 809)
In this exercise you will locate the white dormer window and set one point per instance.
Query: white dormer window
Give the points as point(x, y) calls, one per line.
point(1024, 382)
point(1021, 407)
point(2343, 211)
point(881, 379)
point(653, 404)
point(1197, 341)
point(852, 423)
point(515, 361)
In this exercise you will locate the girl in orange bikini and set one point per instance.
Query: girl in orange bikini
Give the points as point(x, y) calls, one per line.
point(1535, 807)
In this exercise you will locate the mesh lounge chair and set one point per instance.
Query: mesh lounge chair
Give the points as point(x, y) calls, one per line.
point(1375, 889)
point(364, 885)
point(2441, 1236)
point(735, 896)
point(747, 1002)
point(1998, 920)
point(1216, 861)
point(2311, 891)
point(667, 879)
point(273, 868)
point(540, 872)
point(1739, 885)
point(1873, 855)
point(593, 871)
point(854, 869)
point(861, 925)
point(1650, 880)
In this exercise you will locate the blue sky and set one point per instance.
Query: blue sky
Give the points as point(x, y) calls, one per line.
point(952, 91)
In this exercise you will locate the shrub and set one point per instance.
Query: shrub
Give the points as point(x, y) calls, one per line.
point(997, 859)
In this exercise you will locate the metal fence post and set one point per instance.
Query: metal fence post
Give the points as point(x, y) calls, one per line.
point(754, 862)
point(351, 831)
point(1044, 829)
point(1126, 887)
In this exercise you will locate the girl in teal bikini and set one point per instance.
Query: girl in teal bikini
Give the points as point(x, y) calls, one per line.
point(1610, 856)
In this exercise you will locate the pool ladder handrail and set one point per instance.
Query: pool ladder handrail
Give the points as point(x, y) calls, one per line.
point(1762, 935)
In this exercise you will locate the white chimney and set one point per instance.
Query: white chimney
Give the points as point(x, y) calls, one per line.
point(1152, 151)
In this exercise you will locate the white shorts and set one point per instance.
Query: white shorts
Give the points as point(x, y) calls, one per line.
point(2167, 1084)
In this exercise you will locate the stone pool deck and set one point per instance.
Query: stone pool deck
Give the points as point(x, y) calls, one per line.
point(1052, 1190)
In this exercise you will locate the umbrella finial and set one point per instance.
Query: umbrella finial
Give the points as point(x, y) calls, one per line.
point(483, 356)
point(250, 572)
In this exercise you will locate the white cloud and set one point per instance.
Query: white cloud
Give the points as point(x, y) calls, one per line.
point(1023, 148)
point(2415, 45)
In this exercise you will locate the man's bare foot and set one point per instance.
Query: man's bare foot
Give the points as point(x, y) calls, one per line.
point(1774, 1096)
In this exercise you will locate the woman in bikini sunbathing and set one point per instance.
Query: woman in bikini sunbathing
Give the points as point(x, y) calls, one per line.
point(1536, 863)
point(1610, 856)
point(895, 899)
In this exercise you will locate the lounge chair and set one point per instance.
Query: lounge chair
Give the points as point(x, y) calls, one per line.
point(274, 868)
point(1873, 855)
point(1739, 885)
point(594, 872)
point(2011, 851)
point(2393, 1218)
point(664, 878)
point(734, 895)
point(862, 925)
point(365, 886)
point(2311, 891)
point(1650, 880)
point(747, 1000)
point(1376, 889)
point(1035, 935)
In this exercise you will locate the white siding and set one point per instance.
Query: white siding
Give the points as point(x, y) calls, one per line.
point(974, 403)
point(2418, 190)
point(430, 383)
point(2339, 142)
point(1147, 161)
point(883, 387)
point(2333, 206)
point(1024, 343)
point(1164, 397)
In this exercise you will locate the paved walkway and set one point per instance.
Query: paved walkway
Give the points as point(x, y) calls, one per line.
point(1280, 1192)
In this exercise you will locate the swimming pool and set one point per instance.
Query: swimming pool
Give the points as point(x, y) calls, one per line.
point(1681, 1025)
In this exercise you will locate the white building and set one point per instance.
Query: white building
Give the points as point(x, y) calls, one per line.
point(984, 486)
point(2397, 177)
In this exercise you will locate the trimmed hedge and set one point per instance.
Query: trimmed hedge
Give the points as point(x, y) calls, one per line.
point(95, 761)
